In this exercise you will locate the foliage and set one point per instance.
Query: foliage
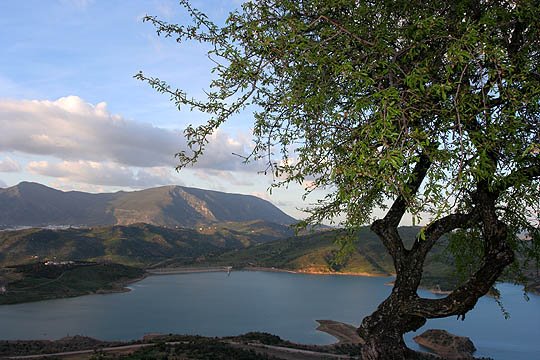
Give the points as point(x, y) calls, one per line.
point(34, 347)
point(352, 94)
point(196, 349)
point(262, 337)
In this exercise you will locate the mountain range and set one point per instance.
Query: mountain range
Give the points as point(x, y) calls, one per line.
point(33, 204)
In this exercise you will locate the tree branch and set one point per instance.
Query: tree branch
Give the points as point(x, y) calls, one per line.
point(386, 228)
point(438, 228)
point(346, 31)
point(394, 215)
point(497, 255)
point(464, 298)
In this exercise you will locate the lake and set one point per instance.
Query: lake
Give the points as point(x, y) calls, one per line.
point(214, 304)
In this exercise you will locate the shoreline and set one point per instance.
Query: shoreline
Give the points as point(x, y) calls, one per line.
point(344, 333)
point(193, 270)
point(362, 274)
point(121, 287)
point(185, 270)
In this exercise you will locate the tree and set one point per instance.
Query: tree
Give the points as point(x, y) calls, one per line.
point(432, 107)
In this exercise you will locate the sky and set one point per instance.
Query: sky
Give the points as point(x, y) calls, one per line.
point(73, 117)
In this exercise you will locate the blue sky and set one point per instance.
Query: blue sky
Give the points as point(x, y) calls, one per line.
point(73, 117)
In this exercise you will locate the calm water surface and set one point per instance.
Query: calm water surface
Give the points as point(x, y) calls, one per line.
point(215, 304)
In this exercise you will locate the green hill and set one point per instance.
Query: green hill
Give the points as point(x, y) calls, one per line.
point(318, 253)
point(138, 245)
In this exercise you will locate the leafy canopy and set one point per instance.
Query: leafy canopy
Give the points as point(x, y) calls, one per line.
point(352, 94)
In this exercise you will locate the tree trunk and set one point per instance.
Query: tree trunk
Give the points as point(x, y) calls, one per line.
point(383, 330)
point(405, 311)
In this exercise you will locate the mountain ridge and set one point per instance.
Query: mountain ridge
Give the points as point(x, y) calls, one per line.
point(34, 204)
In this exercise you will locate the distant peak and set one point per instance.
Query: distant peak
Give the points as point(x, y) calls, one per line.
point(30, 183)
point(33, 185)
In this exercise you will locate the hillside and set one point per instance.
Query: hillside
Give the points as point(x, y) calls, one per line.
point(316, 253)
point(137, 244)
point(32, 204)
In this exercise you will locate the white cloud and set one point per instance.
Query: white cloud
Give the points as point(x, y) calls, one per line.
point(2, 184)
point(262, 195)
point(106, 174)
point(69, 186)
point(9, 165)
point(228, 176)
point(73, 130)
point(309, 185)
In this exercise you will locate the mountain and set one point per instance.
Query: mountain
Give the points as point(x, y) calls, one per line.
point(32, 204)
point(137, 244)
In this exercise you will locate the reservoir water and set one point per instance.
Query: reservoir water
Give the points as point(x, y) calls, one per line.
point(214, 304)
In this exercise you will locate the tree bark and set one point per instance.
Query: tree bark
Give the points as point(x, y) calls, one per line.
point(383, 330)
point(404, 310)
